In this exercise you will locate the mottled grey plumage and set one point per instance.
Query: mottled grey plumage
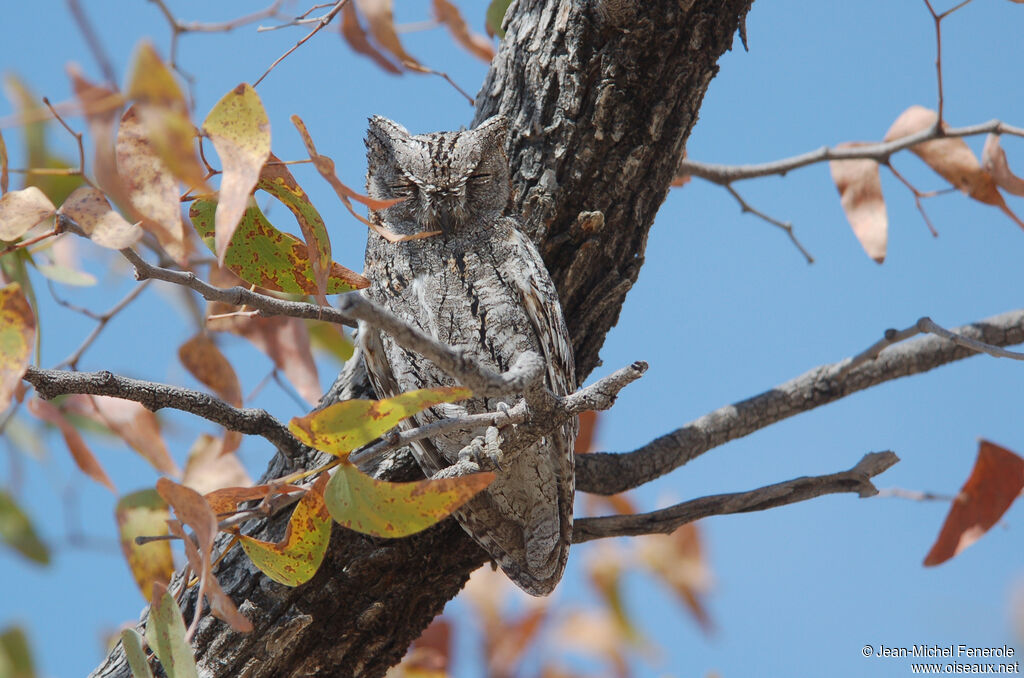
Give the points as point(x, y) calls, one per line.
point(481, 284)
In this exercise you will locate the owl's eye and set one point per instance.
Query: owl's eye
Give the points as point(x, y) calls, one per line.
point(479, 178)
point(403, 189)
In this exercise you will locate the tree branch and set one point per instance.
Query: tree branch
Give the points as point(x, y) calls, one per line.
point(609, 473)
point(667, 520)
point(153, 396)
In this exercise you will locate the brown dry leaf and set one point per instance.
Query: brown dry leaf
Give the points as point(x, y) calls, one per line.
point(102, 108)
point(284, 340)
point(5, 178)
point(677, 559)
point(995, 482)
point(152, 189)
point(17, 337)
point(429, 655)
point(131, 422)
point(206, 469)
point(506, 648)
point(381, 20)
point(80, 452)
point(88, 207)
point(951, 158)
point(588, 429)
point(993, 159)
point(226, 499)
point(355, 35)
point(240, 131)
point(595, 634)
point(860, 193)
point(21, 210)
point(205, 362)
point(448, 14)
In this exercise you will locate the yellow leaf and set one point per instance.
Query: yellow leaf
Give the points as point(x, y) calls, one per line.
point(384, 509)
point(17, 336)
point(144, 513)
point(296, 558)
point(240, 131)
point(344, 426)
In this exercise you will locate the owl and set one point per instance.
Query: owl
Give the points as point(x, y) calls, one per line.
point(479, 284)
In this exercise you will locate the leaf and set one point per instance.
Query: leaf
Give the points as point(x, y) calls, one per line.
point(152, 189)
point(381, 20)
point(384, 509)
point(136, 656)
point(145, 514)
point(226, 499)
point(342, 427)
point(165, 633)
point(330, 339)
point(133, 423)
point(587, 432)
point(677, 559)
point(16, 531)
point(205, 362)
point(355, 35)
point(17, 337)
point(860, 194)
point(21, 210)
point(80, 452)
point(65, 275)
point(88, 208)
point(240, 131)
point(264, 256)
point(276, 180)
point(496, 16)
point(995, 482)
point(950, 157)
point(448, 14)
point(102, 108)
point(152, 81)
point(208, 469)
point(15, 654)
point(296, 558)
point(993, 160)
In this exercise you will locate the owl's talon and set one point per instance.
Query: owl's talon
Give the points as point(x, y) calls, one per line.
point(484, 451)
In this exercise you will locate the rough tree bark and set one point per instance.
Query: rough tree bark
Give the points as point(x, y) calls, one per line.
point(602, 96)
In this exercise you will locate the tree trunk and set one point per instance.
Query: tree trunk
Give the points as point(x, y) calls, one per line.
point(601, 96)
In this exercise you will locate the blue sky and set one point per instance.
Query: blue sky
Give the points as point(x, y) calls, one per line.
point(724, 308)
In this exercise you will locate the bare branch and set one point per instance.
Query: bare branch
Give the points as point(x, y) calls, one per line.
point(93, 41)
point(609, 473)
point(784, 225)
point(880, 152)
point(324, 20)
point(857, 479)
point(102, 319)
point(155, 396)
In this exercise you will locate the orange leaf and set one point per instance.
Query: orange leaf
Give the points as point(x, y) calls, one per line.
point(355, 35)
point(588, 427)
point(381, 21)
point(448, 14)
point(89, 209)
point(80, 452)
point(860, 193)
point(993, 159)
point(227, 499)
point(203, 359)
point(207, 469)
point(995, 482)
point(17, 337)
point(950, 157)
point(677, 559)
point(133, 423)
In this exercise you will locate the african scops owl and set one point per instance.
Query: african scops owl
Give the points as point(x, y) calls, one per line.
point(480, 284)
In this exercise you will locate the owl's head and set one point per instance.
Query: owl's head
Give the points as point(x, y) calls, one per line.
point(448, 179)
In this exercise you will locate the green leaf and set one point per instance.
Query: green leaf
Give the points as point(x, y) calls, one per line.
point(384, 509)
point(495, 15)
point(137, 660)
point(165, 633)
point(262, 255)
point(17, 532)
point(296, 558)
point(15, 654)
point(240, 131)
point(344, 426)
point(330, 339)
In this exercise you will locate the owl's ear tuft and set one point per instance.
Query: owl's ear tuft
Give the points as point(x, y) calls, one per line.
point(494, 129)
point(383, 133)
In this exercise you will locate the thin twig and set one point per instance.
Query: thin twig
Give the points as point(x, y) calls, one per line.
point(102, 320)
point(784, 225)
point(918, 195)
point(93, 41)
point(78, 140)
point(667, 520)
point(914, 495)
point(297, 21)
point(324, 20)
